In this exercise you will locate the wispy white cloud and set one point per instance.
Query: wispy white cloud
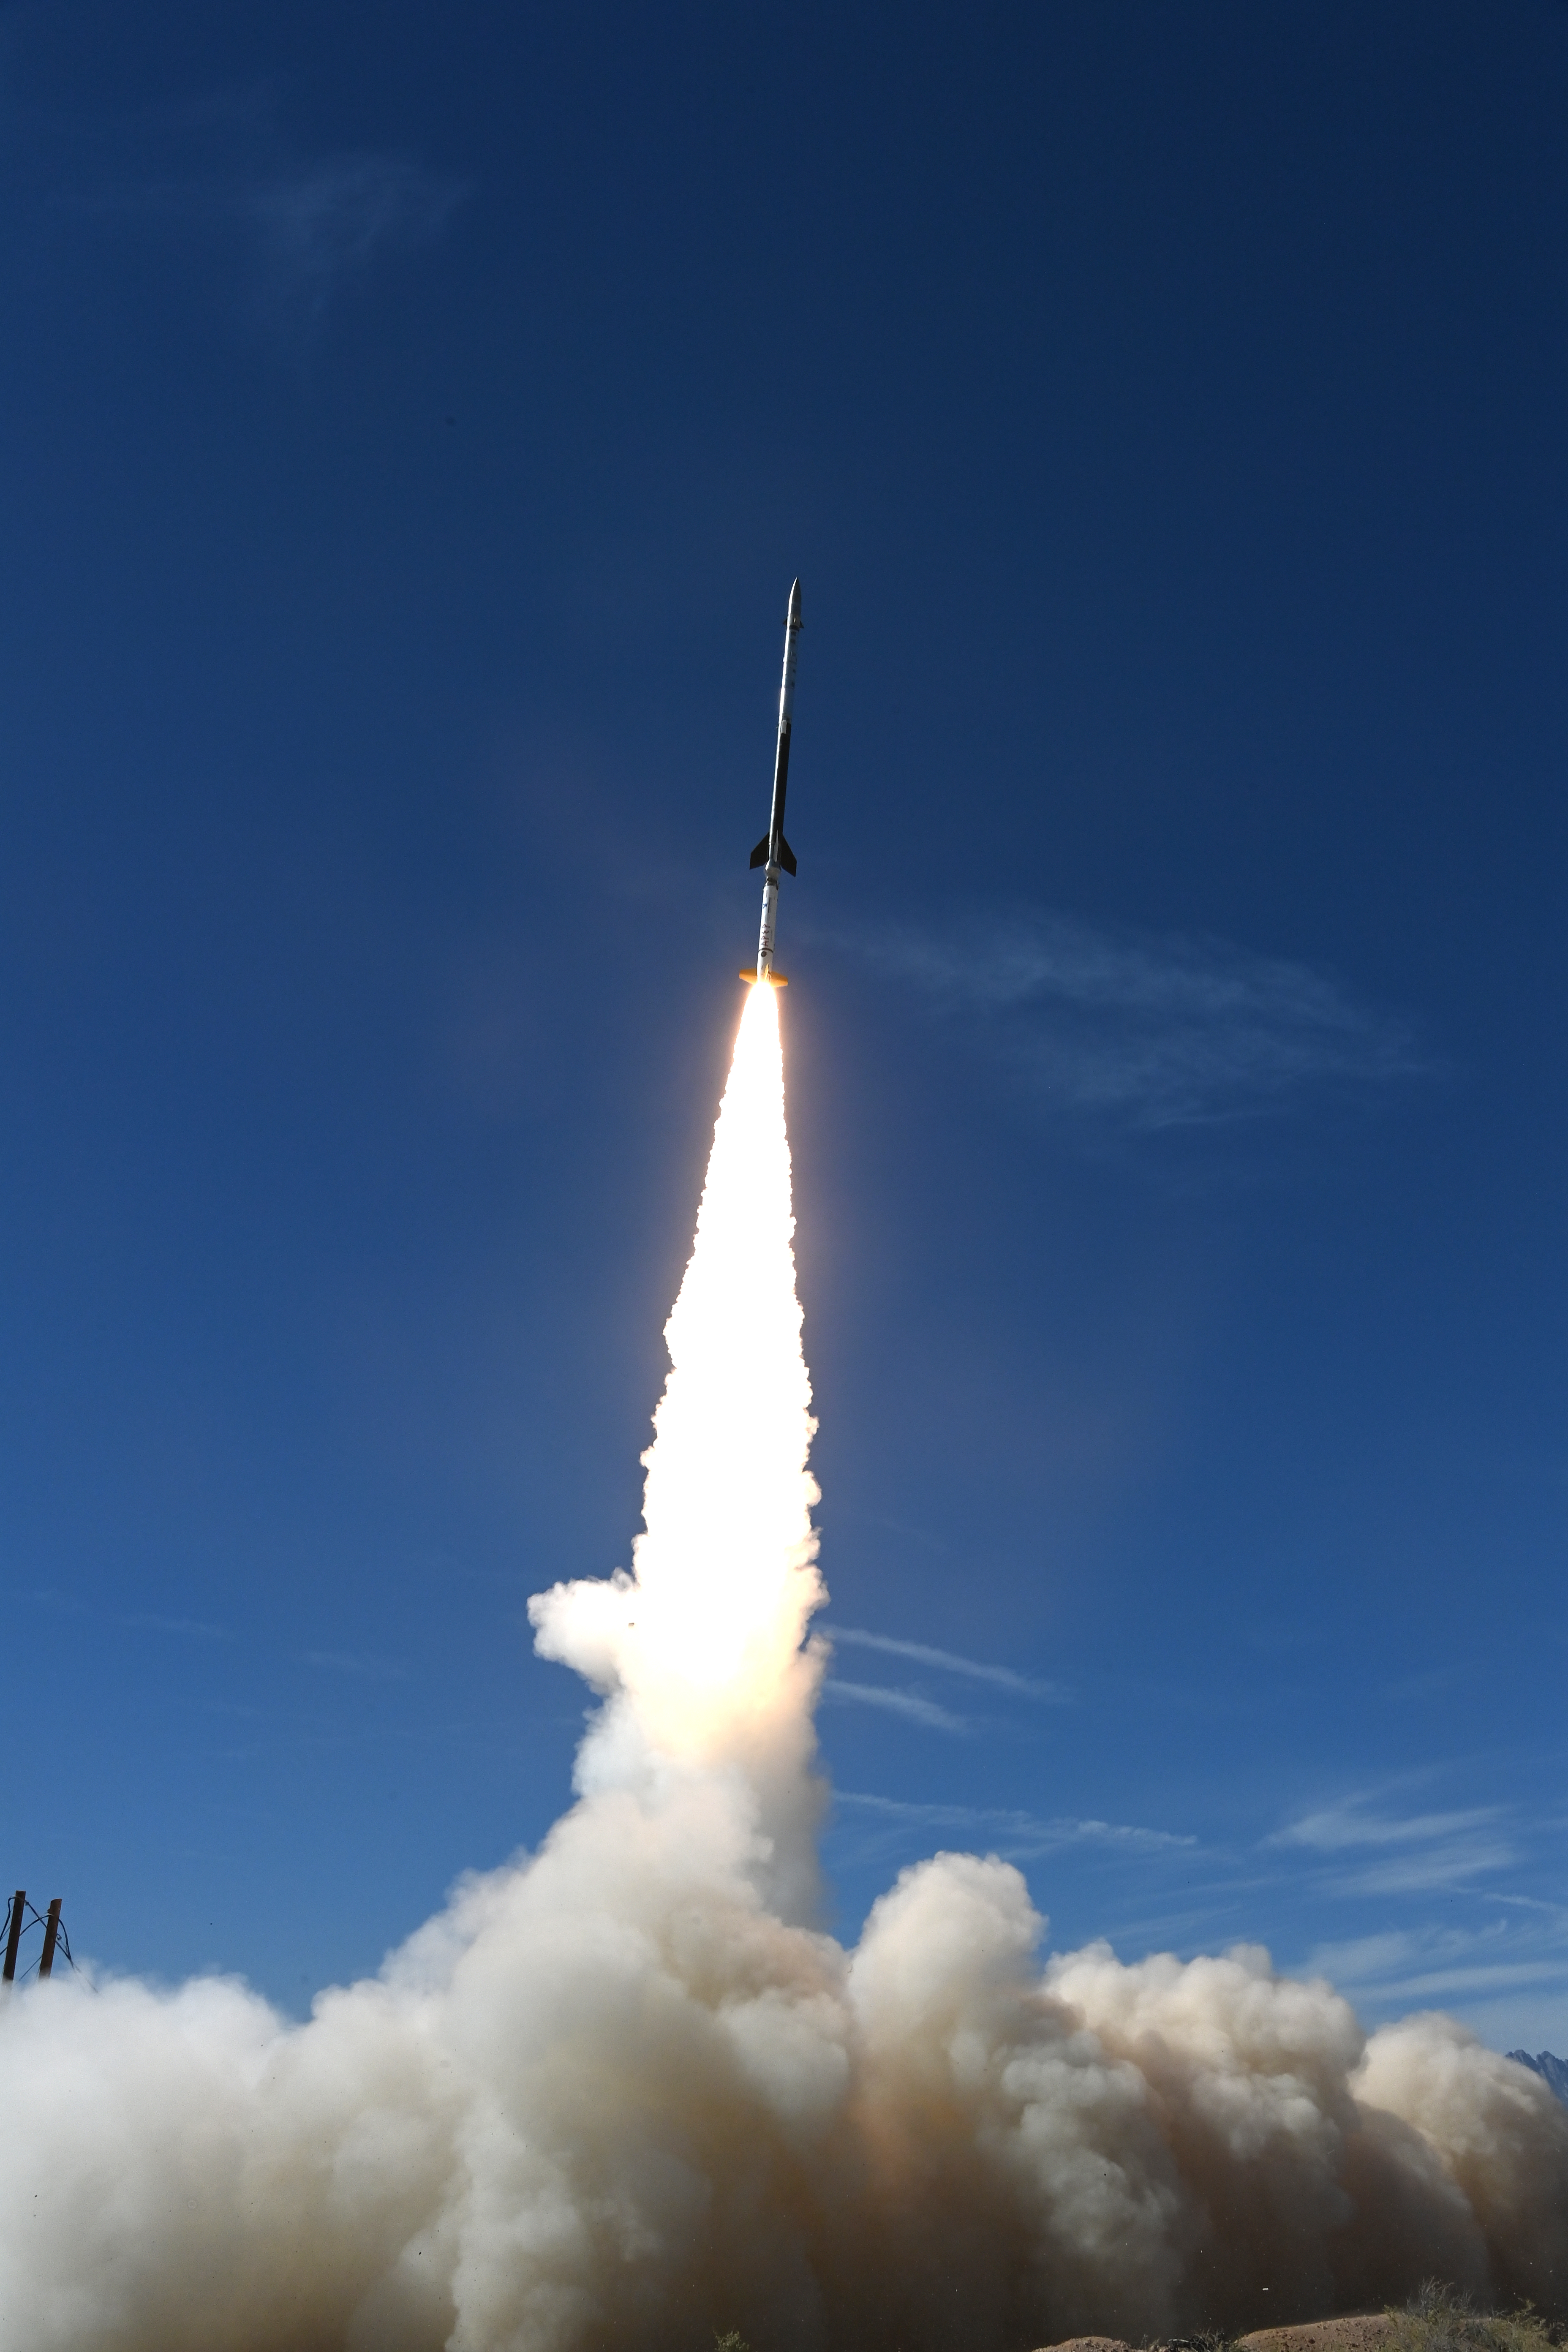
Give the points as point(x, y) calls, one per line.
point(1495, 1977)
point(193, 1629)
point(906, 1703)
point(1415, 1853)
point(1151, 1031)
point(221, 171)
point(948, 1661)
point(317, 225)
point(1012, 1833)
point(1441, 1962)
point(1364, 1960)
point(1337, 1827)
point(1435, 1868)
point(135, 1620)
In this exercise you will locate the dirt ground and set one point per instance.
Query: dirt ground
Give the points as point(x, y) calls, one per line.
point(1362, 2333)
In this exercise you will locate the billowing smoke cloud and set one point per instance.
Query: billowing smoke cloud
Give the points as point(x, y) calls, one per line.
point(623, 2093)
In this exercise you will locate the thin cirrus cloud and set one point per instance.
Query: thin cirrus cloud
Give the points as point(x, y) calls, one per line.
point(1151, 1031)
point(1409, 1854)
point(1430, 1962)
point(1429, 1872)
point(314, 226)
point(292, 231)
point(190, 1629)
point(1337, 1827)
point(1011, 1833)
point(948, 1661)
point(907, 1703)
point(138, 1620)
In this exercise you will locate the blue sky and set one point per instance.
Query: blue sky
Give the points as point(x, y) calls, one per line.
point(412, 418)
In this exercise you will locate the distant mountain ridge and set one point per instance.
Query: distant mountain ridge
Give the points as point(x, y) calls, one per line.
point(1550, 2069)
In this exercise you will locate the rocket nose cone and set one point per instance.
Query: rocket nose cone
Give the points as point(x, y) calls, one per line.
point(795, 603)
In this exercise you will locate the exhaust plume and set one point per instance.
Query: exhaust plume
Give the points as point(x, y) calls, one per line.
point(622, 2092)
point(698, 1650)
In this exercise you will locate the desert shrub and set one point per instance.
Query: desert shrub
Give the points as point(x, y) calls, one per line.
point(1438, 2319)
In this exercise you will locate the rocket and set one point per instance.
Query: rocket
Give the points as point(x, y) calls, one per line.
point(773, 853)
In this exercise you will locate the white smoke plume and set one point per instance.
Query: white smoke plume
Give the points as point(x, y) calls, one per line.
point(622, 2094)
point(699, 1648)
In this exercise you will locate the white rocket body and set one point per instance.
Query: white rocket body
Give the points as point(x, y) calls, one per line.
point(773, 853)
point(770, 924)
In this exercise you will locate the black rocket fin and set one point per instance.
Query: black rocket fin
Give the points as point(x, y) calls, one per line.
point(760, 855)
point(786, 855)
